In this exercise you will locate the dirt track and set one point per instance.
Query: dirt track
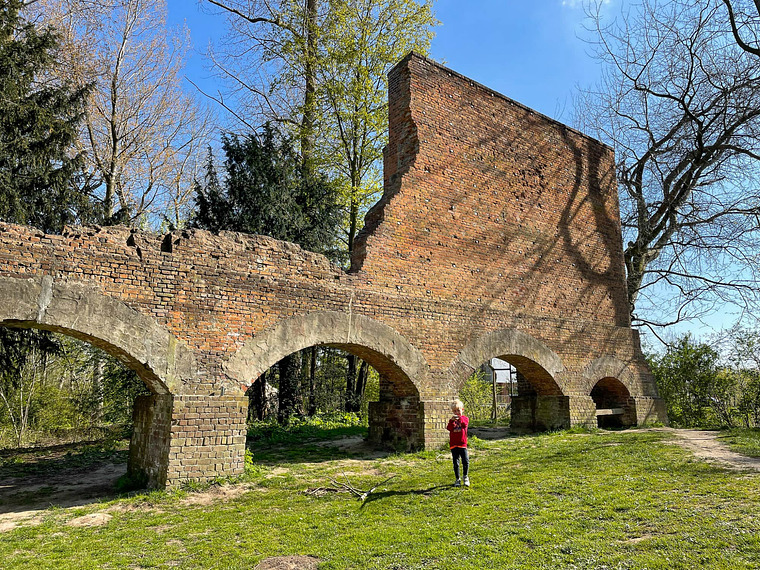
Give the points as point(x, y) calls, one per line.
point(705, 445)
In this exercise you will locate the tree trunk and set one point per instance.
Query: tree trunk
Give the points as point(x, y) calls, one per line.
point(257, 398)
point(350, 383)
point(309, 103)
point(312, 382)
point(361, 384)
point(289, 394)
point(97, 387)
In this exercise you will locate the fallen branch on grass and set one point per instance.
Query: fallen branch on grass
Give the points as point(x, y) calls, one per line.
point(358, 492)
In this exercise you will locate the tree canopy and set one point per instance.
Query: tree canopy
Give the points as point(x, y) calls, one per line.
point(680, 103)
point(39, 122)
point(266, 190)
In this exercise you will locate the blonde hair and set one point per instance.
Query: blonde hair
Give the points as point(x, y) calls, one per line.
point(457, 405)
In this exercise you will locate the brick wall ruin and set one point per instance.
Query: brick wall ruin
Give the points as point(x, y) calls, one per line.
point(497, 235)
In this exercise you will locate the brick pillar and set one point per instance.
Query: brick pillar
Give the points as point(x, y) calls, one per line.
point(582, 411)
point(540, 413)
point(151, 439)
point(396, 420)
point(436, 418)
point(650, 410)
point(207, 438)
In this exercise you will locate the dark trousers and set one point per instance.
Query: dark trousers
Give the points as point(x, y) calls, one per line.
point(458, 453)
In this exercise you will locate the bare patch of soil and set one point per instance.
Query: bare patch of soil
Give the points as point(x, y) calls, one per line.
point(491, 433)
point(94, 519)
point(215, 494)
point(67, 488)
point(705, 445)
point(355, 445)
point(288, 563)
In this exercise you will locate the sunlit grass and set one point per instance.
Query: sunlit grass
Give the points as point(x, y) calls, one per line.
point(742, 440)
point(621, 500)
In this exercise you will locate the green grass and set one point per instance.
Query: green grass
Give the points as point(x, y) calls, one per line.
point(742, 440)
point(620, 500)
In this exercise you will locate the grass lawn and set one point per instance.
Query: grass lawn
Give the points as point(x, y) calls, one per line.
point(615, 500)
point(742, 440)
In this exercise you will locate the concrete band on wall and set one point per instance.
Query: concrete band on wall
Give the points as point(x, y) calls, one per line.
point(140, 343)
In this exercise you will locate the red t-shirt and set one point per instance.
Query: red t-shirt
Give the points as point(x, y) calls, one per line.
point(458, 431)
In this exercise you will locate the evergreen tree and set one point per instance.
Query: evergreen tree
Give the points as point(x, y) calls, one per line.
point(268, 190)
point(38, 128)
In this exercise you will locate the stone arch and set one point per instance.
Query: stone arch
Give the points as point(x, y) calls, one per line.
point(611, 386)
point(612, 367)
point(377, 343)
point(398, 418)
point(541, 402)
point(521, 348)
point(137, 340)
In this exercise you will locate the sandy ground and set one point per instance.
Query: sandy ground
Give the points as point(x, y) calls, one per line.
point(705, 445)
point(26, 500)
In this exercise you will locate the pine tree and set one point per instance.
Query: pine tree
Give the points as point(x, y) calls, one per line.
point(268, 191)
point(38, 127)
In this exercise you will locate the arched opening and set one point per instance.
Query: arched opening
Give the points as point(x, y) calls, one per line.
point(615, 408)
point(375, 394)
point(518, 390)
point(70, 410)
point(145, 351)
point(536, 400)
point(387, 397)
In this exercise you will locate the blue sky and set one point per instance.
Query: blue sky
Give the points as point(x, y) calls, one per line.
point(528, 50)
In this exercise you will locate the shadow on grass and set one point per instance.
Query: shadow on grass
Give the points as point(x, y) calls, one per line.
point(350, 447)
point(387, 494)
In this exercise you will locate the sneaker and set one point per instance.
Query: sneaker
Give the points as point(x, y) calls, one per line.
point(457, 483)
point(466, 481)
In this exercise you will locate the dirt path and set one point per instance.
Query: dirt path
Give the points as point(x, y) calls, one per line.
point(706, 446)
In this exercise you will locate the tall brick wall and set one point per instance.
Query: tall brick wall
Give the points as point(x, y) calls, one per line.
point(498, 234)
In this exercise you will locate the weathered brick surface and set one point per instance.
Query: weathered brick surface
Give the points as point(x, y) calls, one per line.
point(498, 234)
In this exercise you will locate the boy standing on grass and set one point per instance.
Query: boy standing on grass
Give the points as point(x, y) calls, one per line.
point(458, 442)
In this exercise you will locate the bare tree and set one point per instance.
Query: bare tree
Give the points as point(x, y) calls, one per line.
point(144, 136)
point(680, 103)
point(744, 17)
point(267, 63)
